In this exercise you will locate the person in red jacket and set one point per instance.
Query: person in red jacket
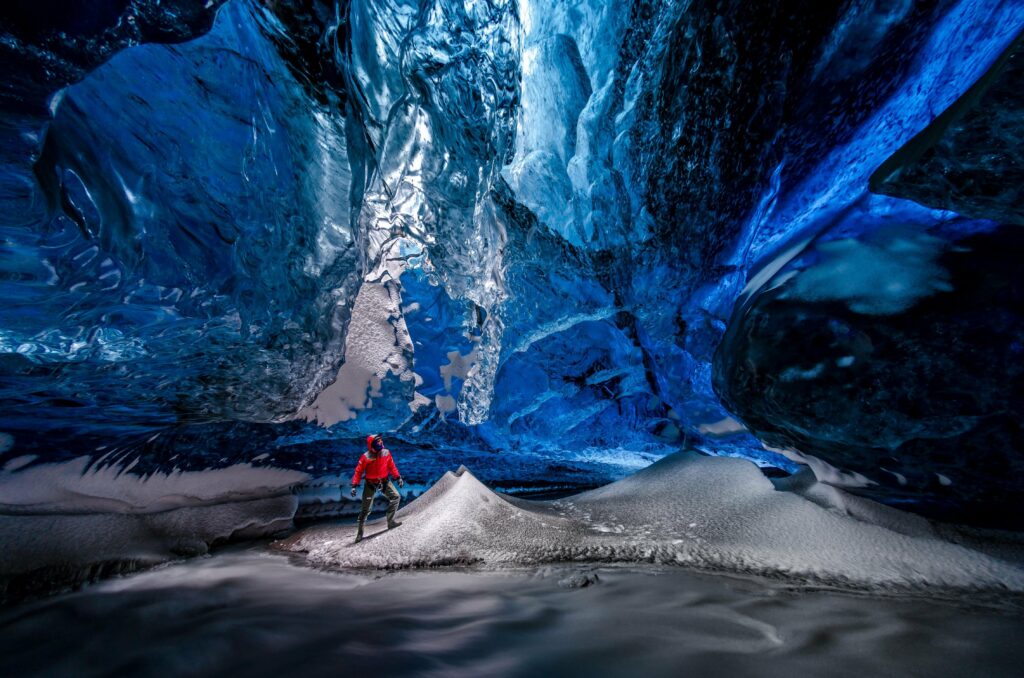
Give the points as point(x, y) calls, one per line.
point(377, 464)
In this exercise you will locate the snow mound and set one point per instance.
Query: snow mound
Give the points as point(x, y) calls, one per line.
point(709, 513)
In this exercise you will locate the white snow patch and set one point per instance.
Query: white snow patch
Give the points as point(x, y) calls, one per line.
point(834, 499)
point(715, 513)
point(823, 471)
point(722, 427)
point(444, 403)
point(458, 366)
point(377, 343)
point(881, 276)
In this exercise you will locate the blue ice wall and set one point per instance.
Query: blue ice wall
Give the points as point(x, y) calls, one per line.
point(189, 243)
point(562, 203)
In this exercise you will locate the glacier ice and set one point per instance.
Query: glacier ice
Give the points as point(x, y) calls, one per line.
point(899, 367)
point(65, 523)
point(509, 622)
point(884, 274)
point(520, 229)
point(968, 158)
point(170, 270)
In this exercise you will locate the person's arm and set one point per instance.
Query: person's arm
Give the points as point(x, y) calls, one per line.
point(394, 470)
point(358, 475)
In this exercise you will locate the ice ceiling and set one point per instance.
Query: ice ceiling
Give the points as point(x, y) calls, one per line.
point(784, 231)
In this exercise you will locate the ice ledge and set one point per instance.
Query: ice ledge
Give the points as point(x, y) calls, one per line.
point(65, 524)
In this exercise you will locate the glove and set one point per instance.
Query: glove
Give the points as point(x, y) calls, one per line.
point(401, 483)
point(353, 492)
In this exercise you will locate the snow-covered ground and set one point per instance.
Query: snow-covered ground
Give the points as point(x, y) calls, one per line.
point(709, 513)
point(589, 585)
point(61, 524)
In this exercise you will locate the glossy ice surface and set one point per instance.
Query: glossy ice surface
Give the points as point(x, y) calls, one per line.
point(521, 228)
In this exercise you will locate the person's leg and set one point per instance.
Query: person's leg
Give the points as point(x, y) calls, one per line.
point(393, 499)
point(368, 492)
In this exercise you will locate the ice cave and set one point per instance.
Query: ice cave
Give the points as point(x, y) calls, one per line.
point(686, 337)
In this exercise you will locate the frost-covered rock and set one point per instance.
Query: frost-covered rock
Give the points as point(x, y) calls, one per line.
point(579, 580)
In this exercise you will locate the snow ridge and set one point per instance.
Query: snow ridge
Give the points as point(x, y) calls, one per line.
point(701, 512)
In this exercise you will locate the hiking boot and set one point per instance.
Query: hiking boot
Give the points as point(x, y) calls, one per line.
point(393, 524)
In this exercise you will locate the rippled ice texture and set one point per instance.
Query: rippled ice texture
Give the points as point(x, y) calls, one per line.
point(246, 612)
point(520, 223)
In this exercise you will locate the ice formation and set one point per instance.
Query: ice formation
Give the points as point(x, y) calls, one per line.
point(523, 622)
point(63, 523)
point(518, 231)
point(830, 361)
point(716, 514)
point(882, 276)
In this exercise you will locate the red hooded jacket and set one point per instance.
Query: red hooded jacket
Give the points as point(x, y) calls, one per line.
point(376, 467)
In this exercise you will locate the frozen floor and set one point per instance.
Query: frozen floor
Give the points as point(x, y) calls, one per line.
point(247, 611)
point(699, 512)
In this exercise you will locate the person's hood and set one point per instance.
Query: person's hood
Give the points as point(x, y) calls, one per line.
point(370, 452)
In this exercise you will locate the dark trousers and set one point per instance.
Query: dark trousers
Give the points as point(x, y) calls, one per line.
point(370, 488)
